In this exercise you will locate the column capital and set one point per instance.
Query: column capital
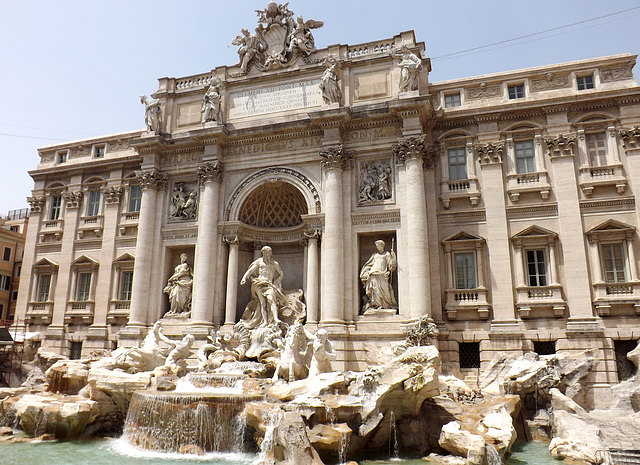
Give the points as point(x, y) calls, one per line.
point(561, 146)
point(209, 172)
point(72, 200)
point(35, 204)
point(112, 195)
point(152, 179)
point(630, 138)
point(490, 154)
point(335, 157)
point(410, 148)
point(231, 240)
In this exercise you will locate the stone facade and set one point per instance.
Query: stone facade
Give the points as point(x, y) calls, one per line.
point(509, 200)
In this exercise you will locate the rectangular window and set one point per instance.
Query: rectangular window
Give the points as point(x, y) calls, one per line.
point(465, 271)
point(100, 152)
point(585, 82)
point(135, 198)
point(536, 268)
point(544, 347)
point(613, 261)
point(56, 205)
point(457, 164)
point(469, 353)
point(126, 285)
point(516, 91)
point(44, 285)
point(597, 149)
point(84, 286)
point(76, 350)
point(452, 100)
point(19, 271)
point(625, 367)
point(525, 157)
point(6, 254)
point(93, 206)
point(62, 157)
point(4, 282)
point(14, 295)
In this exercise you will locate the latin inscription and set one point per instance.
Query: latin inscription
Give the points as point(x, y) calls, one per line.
point(274, 99)
point(278, 145)
point(181, 158)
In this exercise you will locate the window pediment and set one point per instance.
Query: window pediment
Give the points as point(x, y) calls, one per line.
point(534, 235)
point(611, 230)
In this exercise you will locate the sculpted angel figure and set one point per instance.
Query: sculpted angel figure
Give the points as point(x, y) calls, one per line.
point(152, 113)
point(301, 37)
point(329, 87)
point(251, 45)
point(376, 278)
point(211, 107)
point(179, 287)
point(410, 65)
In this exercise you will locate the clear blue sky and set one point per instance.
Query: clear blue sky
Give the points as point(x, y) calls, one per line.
point(76, 69)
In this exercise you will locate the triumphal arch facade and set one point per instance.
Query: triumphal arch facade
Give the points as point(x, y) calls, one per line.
point(502, 206)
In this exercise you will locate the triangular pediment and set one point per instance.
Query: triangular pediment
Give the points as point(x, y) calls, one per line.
point(534, 231)
point(462, 236)
point(124, 258)
point(611, 225)
point(84, 260)
point(45, 262)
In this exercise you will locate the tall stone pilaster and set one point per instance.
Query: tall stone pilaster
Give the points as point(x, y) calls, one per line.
point(232, 280)
point(205, 271)
point(410, 152)
point(334, 161)
point(312, 276)
point(151, 181)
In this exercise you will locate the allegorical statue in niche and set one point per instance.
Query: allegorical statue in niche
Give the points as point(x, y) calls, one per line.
point(270, 302)
point(152, 114)
point(211, 107)
point(179, 288)
point(329, 87)
point(266, 286)
point(376, 278)
point(410, 65)
point(251, 46)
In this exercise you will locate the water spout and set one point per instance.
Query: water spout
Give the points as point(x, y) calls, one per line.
point(394, 449)
point(493, 458)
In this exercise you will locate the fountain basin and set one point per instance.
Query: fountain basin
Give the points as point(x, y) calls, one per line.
point(187, 422)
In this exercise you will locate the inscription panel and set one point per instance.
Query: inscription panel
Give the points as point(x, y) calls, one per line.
point(275, 99)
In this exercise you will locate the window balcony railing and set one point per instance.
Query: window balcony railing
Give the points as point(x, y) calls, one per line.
point(608, 295)
point(128, 220)
point(599, 176)
point(90, 224)
point(79, 312)
point(463, 302)
point(118, 311)
point(39, 312)
point(459, 189)
point(533, 300)
point(519, 183)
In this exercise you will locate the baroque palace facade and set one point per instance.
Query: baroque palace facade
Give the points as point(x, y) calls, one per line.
point(509, 200)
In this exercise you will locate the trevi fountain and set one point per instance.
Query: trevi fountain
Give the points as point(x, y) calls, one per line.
point(267, 385)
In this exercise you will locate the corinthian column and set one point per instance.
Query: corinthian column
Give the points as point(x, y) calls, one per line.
point(232, 280)
point(151, 181)
point(204, 269)
point(334, 161)
point(312, 276)
point(410, 152)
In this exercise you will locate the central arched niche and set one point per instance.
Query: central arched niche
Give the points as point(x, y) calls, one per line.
point(273, 207)
point(274, 204)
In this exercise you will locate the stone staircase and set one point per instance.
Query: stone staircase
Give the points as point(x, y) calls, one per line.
point(618, 457)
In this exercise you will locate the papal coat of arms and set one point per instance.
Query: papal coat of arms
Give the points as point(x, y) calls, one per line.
point(278, 41)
